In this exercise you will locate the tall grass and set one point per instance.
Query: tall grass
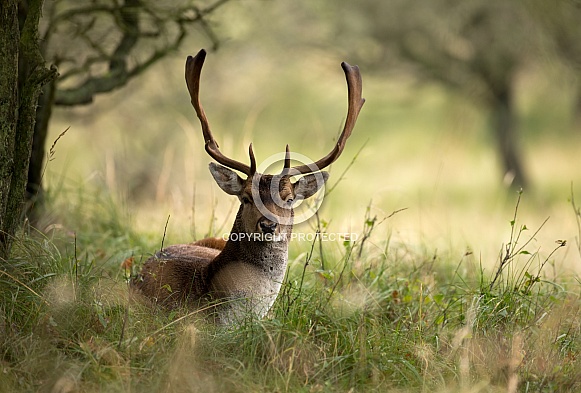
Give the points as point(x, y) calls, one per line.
point(387, 318)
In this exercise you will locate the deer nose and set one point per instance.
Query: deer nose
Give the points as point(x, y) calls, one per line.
point(267, 226)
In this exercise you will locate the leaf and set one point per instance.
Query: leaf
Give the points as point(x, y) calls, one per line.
point(104, 322)
point(325, 274)
point(127, 263)
point(439, 298)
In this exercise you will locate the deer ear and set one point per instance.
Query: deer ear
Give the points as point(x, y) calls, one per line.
point(308, 185)
point(227, 179)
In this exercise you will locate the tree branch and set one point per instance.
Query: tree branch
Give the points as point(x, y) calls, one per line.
point(127, 19)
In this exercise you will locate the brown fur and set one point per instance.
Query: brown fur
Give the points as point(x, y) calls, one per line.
point(211, 242)
point(176, 275)
point(213, 269)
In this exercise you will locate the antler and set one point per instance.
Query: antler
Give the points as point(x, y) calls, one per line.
point(193, 71)
point(354, 86)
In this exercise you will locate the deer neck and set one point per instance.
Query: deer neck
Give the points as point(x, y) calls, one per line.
point(269, 256)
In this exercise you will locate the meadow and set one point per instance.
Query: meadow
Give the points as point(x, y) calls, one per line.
point(455, 282)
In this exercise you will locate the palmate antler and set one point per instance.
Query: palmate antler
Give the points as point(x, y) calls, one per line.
point(354, 86)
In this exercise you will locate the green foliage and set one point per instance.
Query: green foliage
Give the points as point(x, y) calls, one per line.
point(399, 319)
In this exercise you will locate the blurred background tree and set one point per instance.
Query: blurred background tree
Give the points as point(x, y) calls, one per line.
point(101, 45)
point(561, 24)
point(475, 49)
point(464, 46)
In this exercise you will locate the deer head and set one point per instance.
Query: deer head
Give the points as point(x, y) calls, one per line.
point(266, 201)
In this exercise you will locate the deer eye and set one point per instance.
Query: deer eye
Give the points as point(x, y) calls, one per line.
point(289, 201)
point(245, 200)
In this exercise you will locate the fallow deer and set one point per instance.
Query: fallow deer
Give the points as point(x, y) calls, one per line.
point(245, 273)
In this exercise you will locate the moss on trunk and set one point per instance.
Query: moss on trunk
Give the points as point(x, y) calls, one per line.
point(20, 57)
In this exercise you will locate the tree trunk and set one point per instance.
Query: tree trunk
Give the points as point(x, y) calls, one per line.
point(9, 41)
point(505, 129)
point(22, 76)
point(577, 109)
point(34, 189)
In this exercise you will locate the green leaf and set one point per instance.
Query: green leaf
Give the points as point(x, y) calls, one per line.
point(438, 298)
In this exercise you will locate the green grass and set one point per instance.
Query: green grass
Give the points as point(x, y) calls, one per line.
point(381, 316)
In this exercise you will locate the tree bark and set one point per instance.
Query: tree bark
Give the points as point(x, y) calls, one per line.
point(505, 128)
point(34, 190)
point(9, 41)
point(22, 76)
